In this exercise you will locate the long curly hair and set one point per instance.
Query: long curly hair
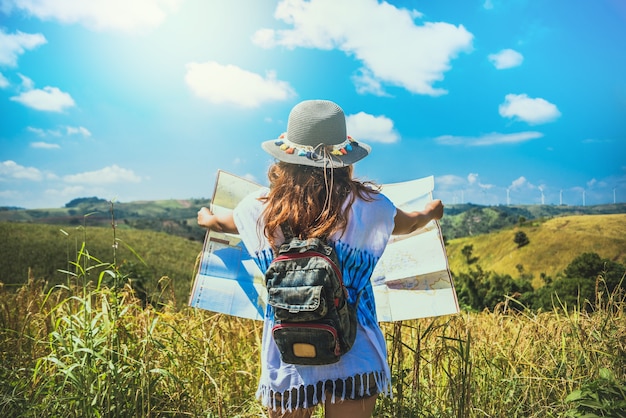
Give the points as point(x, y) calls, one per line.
point(313, 201)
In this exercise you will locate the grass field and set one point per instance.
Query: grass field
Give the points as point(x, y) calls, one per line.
point(80, 352)
point(88, 347)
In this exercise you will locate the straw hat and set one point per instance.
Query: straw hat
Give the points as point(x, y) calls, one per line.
point(316, 136)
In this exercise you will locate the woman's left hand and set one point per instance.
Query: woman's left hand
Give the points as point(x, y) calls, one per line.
point(205, 217)
point(219, 223)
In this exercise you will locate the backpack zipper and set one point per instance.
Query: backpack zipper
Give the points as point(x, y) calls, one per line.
point(313, 254)
point(322, 327)
point(318, 254)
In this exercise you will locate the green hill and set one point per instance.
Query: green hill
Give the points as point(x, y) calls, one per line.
point(553, 244)
point(178, 217)
point(175, 217)
point(40, 251)
point(468, 219)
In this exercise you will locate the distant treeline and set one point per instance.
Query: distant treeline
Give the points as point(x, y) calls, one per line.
point(587, 281)
point(174, 217)
point(178, 218)
point(467, 219)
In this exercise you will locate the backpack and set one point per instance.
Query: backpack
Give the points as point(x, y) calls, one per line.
point(314, 323)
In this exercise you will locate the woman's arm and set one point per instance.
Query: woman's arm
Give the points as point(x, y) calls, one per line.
point(407, 222)
point(221, 223)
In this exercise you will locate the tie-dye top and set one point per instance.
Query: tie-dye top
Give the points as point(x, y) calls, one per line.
point(359, 248)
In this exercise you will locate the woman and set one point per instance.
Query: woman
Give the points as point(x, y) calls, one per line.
point(312, 190)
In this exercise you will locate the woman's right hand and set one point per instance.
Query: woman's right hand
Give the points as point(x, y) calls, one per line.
point(407, 222)
point(434, 209)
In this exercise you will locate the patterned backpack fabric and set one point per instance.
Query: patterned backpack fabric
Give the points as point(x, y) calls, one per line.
point(314, 323)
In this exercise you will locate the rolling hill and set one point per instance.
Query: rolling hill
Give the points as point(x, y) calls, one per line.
point(42, 250)
point(553, 244)
point(175, 217)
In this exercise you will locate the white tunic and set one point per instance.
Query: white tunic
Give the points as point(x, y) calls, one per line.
point(359, 248)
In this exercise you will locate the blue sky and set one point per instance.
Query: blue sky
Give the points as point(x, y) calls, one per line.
point(516, 101)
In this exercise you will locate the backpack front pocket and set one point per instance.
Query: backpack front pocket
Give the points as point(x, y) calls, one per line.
point(298, 303)
point(311, 344)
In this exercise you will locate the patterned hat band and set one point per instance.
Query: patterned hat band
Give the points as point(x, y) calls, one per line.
point(316, 136)
point(311, 152)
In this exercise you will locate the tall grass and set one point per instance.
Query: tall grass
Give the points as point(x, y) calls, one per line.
point(84, 349)
point(75, 356)
point(70, 355)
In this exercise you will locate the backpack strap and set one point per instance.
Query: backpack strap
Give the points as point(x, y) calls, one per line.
point(287, 231)
point(291, 242)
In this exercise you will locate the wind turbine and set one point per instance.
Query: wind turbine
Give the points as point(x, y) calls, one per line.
point(561, 197)
point(508, 196)
point(542, 196)
point(614, 200)
point(583, 197)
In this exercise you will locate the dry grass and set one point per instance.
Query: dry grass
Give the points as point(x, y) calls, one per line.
point(84, 350)
point(553, 245)
point(92, 352)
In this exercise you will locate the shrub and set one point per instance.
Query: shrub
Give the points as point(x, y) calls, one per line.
point(521, 239)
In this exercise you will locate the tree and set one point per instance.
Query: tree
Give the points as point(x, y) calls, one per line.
point(85, 201)
point(521, 239)
point(577, 288)
point(501, 285)
point(590, 266)
point(467, 253)
point(479, 289)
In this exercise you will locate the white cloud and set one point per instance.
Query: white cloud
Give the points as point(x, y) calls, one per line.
point(13, 45)
point(385, 39)
point(100, 14)
point(27, 83)
point(473, 179)
point(67, 191)
point(597, 141)
point(43, 132)
point(44, 145)
point(4, 83)
point(366, 83)
point(107, 175)
point(69, 130)
point(507, 58)
point(11, 170)
point(494, 138)
point(524, 108)
point(521, 183)
point(79, 130)
point(449, 180)
point(37, 131)
point(366, 127)
point(49, 99)
point(231, 84)
point(251, 177)
point(455, 187)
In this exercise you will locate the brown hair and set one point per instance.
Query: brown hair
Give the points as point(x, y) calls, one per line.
point(311, 199)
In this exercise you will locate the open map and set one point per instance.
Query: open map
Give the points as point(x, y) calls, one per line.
point(412, 279)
